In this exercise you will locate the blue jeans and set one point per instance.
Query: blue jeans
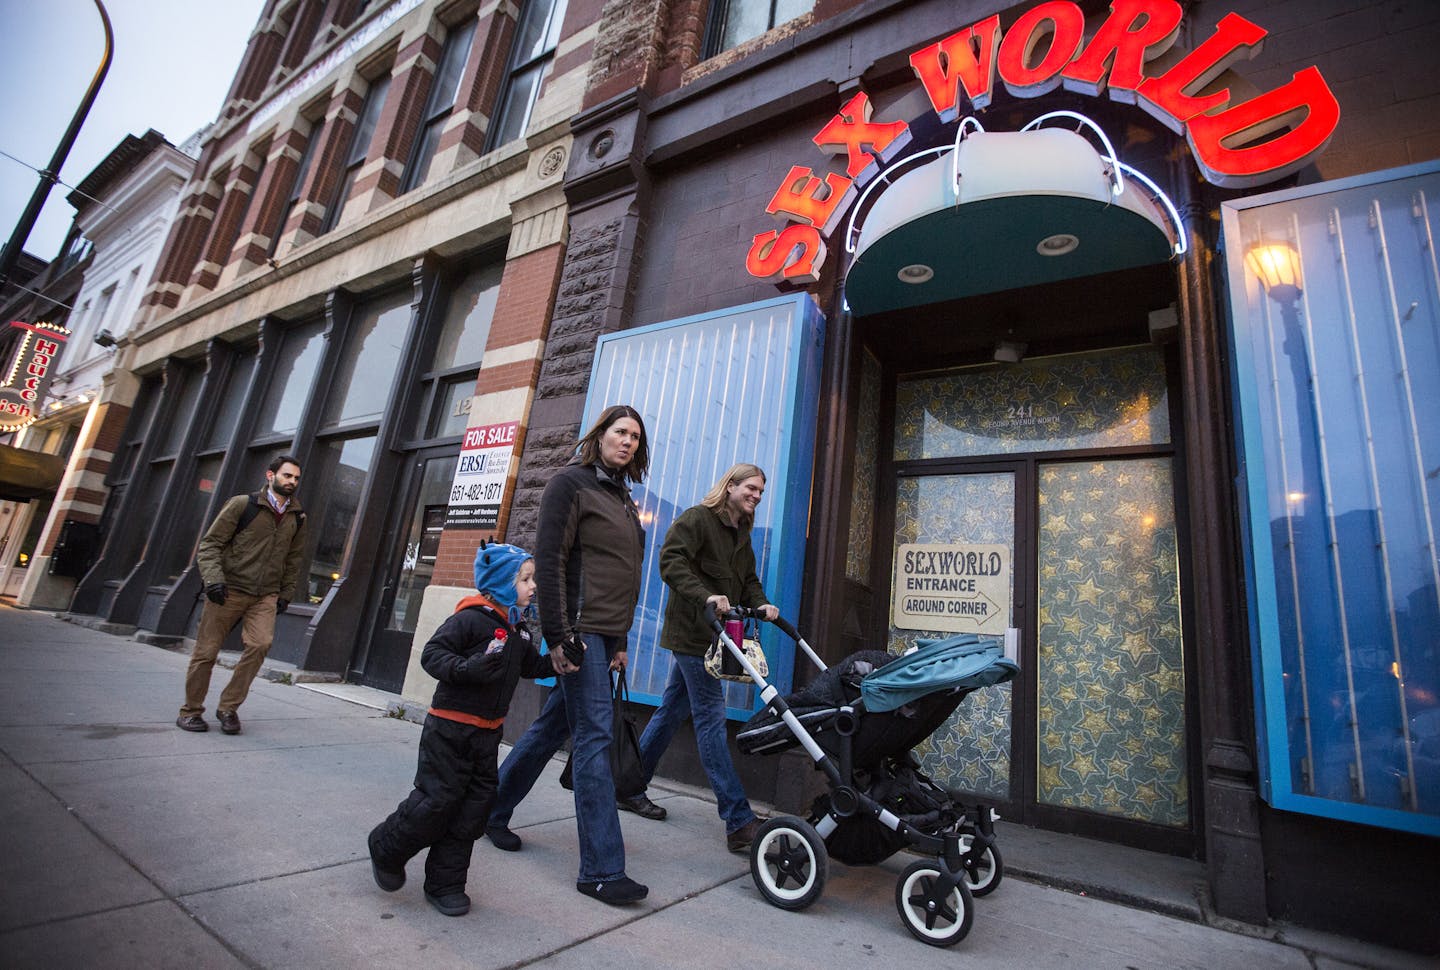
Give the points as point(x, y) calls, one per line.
point(523, 765)
point(588, 690)
point(706, 706)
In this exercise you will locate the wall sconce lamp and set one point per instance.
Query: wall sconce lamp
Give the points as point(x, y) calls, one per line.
point(1277, 265)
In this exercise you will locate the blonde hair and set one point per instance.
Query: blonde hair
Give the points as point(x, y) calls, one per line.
point(714, 499)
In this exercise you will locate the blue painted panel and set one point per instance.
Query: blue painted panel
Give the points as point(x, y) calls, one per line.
point(734, 385)
point(1338, 391)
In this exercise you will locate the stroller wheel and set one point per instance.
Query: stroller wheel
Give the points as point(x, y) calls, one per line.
point(929, 912)
point(984, 874)
point(788, 862)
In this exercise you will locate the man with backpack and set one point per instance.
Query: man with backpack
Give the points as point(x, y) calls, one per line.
point(249, 561)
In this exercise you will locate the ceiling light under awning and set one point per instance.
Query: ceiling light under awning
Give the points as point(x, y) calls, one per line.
point(999, 211)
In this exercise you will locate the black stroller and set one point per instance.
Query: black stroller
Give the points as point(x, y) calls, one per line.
point(859, 721)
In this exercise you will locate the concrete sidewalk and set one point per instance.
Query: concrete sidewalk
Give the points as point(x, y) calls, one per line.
point(127, 843)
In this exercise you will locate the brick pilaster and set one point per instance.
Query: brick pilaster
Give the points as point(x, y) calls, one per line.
point(399, 122)
point(303, 223)
point(463, 139)
point(590, 301)
point(272, 193)
point(504, 389)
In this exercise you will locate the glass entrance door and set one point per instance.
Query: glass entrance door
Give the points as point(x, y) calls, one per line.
point(965, 513)
point(1064, 465)
point(412, 543)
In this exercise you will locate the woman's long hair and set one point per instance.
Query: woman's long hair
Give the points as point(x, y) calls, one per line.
point(714, 499)
point(589, 447)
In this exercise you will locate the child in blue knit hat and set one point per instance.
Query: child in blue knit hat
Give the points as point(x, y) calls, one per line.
point(478, 655)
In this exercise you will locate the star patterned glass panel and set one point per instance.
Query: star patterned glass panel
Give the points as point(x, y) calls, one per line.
point(971, 751)
point(1105, 399)
point(1110, 667)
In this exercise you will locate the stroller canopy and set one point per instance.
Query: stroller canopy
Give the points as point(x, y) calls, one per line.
point(962, 661)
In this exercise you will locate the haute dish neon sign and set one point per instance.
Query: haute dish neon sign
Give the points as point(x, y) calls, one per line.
point(1234, 145)
point(24, 388)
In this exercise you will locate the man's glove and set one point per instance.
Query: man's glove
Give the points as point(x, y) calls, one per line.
point(281, 605)
point(215, 593)
point(574, 649)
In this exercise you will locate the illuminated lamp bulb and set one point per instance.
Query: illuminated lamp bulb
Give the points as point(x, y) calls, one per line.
point(1277, 266)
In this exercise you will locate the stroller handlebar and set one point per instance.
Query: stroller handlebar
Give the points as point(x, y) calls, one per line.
point(716, 618)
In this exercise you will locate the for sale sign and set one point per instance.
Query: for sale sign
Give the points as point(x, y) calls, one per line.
point(958, 588)
point(481, 473)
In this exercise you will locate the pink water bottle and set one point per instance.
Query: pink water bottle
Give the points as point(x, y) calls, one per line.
point(735, 630)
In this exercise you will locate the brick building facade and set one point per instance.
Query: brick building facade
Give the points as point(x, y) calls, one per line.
point(1099, 426)
point(686, 133)
point(364, 264)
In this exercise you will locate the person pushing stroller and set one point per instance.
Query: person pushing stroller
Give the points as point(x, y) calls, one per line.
point(478, 655)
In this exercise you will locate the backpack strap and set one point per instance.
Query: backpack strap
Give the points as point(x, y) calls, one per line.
point(252, 509)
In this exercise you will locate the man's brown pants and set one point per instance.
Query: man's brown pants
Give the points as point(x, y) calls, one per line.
point(257, 616)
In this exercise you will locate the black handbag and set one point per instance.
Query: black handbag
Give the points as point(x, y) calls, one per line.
point(625, 765)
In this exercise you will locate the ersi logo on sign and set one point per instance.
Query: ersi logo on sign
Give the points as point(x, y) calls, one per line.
point(1043, 50)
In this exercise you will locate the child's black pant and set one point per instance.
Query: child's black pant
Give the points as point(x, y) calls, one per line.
point(454, 786)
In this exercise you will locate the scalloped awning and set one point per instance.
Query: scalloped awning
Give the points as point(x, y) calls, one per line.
point(1031, 207)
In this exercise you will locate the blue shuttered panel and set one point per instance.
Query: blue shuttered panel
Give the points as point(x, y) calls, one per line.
point(734, 385)
point(1339, 394)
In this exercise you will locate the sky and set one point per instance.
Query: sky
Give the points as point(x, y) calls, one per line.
point(172, 64)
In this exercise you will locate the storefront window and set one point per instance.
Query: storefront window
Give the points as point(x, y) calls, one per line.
point(227, 415)
point(182, 411)
point(136, 429)
point(1336, 329)
point(188, 516)
point(334, 481)
point(289, 388)
point(371, 358)
point(469, 313)
point(468, 316)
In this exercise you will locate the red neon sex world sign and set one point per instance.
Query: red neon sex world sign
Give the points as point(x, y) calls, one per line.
point(1043, 50)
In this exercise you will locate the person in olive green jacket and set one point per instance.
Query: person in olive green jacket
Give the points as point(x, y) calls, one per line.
point(706, 558)
point(249, 561)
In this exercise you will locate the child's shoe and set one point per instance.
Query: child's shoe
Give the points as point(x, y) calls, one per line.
point(451, 904)
point(387, 879)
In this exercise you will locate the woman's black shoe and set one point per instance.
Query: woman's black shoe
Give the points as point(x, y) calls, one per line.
point(641, 806)
point(616, 892)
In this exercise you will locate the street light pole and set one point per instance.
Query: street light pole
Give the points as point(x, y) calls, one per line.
point(51, 175)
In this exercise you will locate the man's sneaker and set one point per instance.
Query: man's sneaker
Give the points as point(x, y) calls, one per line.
point(616, 892)
point(503, 838)
point(191, 722)
point(641, 806)
point(740, 839)
point(451, 904)
point(229, 721)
